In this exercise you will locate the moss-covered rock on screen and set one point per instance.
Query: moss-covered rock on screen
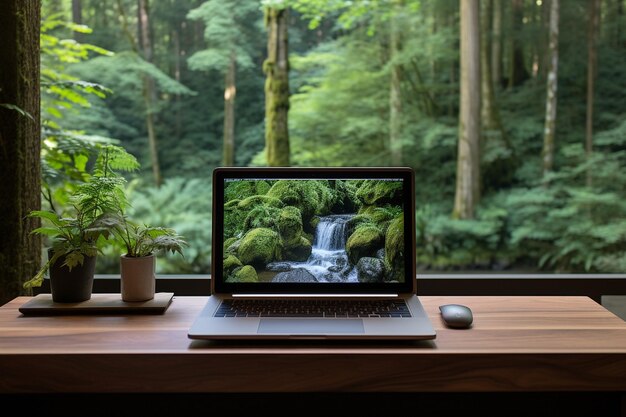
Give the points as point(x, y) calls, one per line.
point(299, 251)
point(380, 192)
point(244, 274)
point(260, 247)
point(365, 241)
point(325, 230)
point(261, 216)
point(290, 226)
point(230, 263)
point(239, 190)
point(310, 196)
point(394, 248)
point(255, 200)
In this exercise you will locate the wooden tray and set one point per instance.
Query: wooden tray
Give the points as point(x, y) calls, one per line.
point(42, 305)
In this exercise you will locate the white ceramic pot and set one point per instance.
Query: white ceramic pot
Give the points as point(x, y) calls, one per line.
point(137, 278)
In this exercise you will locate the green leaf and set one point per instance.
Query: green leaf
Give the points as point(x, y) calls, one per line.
point(80, 162)
point(17, 109)
point(73, 259)
point(48, 215)
point(48, 231)
point(54, 112)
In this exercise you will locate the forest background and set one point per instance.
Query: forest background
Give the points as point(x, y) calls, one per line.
point(510, 112)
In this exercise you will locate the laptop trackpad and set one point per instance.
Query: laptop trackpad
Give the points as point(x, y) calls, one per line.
point(310, 326)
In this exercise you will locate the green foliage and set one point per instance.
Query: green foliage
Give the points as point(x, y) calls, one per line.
point(576, 220)
point(347, 129)
point(67, 151)
point(445, 243)
point(105, 193)
point(125, 70)
point(339, 116)
point(224, 31)
point(261, 215)
point(349, 13)
point(80, 229)
point(146, 240)
point(60, 90)
point(183, 205)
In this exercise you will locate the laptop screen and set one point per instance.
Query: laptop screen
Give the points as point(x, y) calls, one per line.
point(313, 230)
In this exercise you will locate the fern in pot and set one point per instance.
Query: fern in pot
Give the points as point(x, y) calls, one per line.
point(138, 264)
point(77, 233)
point(71, 257)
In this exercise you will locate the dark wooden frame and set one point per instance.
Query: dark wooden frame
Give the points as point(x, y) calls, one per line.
point(591, 285)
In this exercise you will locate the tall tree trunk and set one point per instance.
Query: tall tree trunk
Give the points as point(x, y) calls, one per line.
point(544, 40)
point(495, 171)
point(177, 55)
point(276, 68)
point(468, 162)
point(395, 91)
point(454, 65)
point(517, 69)
point(551, 88)
point(20, 145)
point(496, 44)
point(230, 91)
point(489, 116)
point(77, 17)
point(149, 91)
point(592, 33)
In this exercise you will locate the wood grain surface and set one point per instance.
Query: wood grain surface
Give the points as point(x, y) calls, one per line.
point(516, 344)
point(42, 305)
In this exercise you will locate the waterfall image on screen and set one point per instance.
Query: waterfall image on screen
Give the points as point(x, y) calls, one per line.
point(313, 231)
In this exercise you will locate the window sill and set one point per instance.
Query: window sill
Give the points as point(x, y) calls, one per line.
point(591, 285)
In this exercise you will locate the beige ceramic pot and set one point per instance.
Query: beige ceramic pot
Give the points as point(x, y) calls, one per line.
point(137, 278)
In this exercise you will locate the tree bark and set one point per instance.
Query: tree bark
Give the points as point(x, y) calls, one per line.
point(276, 68)
point(489, 117)
point(468, 163)
point(517, 69)
point(454, 65)
point(177, 56)
point(395, 92)
point(230, 91)
point(551, 89)
point(496, 44)
point(592, 33)
point(544, 62)
point(149, 91)
point(20, 146)
point(77, 17)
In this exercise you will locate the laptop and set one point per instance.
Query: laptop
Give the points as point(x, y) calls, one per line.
point(313, 253)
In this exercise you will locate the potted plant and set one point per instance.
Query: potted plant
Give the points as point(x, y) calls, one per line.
point(78, 233)
point(138, 264)
point(72, 255)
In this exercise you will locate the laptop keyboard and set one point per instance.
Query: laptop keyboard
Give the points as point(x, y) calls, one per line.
point(339, 308)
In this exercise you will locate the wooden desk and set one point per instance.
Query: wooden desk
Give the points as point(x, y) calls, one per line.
point(517, 344)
